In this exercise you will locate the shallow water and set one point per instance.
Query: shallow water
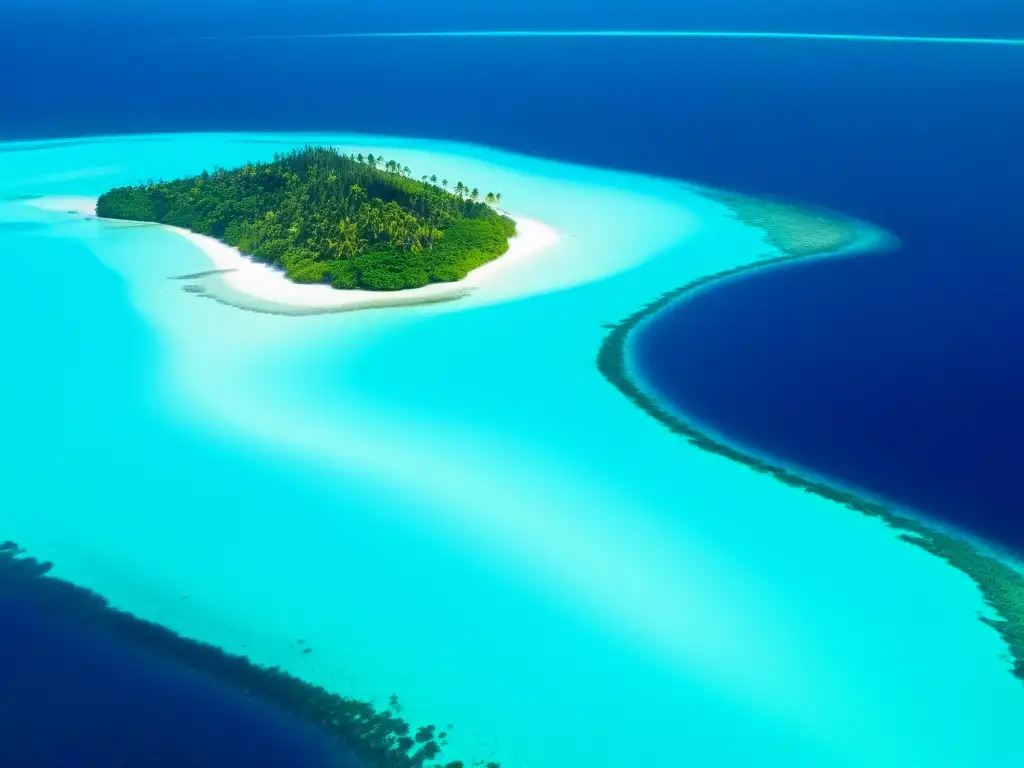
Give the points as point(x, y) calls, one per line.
point(449, 503)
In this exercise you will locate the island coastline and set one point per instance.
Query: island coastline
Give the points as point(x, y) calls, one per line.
point(236, 280)
point(1001, 585)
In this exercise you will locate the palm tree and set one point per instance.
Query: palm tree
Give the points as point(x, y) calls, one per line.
point(356, 196)
point(497, 197)
point(444, 183)
point(359, 157)
point(460, 188)
point(405, 171)
point(371, 220)
point(490, 198)
point(350, 243)
point(475, 193)
point(433, 179)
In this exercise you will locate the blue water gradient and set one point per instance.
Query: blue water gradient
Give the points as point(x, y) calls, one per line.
point(72, 696)
point(897, 374)
point(117, 18)
point(422, 495)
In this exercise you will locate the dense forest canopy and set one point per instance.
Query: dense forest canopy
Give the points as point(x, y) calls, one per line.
point(327, 217)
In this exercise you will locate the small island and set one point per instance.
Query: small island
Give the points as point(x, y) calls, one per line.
point(327, 217)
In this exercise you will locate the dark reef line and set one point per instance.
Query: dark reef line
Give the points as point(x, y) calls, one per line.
point(198, 275)
point(377, 738)
point(1002, 586)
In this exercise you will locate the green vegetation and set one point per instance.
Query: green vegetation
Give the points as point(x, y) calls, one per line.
point(378, 737)
point(1000, 584)
point(326, 217)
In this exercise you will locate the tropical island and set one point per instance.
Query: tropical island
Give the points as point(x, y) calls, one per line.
point(327, 217)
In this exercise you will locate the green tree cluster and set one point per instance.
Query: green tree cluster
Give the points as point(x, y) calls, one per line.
point(326, 217)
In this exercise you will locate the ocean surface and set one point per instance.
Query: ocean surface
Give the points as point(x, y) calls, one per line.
point(72, 697)
point(451, 505)
point(897, 375)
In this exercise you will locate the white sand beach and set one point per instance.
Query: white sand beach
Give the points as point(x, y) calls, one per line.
point(246, 279)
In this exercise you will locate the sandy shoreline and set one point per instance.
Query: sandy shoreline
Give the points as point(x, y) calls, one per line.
point(240, 278)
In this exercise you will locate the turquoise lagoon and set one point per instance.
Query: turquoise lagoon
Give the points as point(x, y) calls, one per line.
point(449, 502)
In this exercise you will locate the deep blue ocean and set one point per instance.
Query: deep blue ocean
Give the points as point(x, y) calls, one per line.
point(72, 696)
point(901, 373)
